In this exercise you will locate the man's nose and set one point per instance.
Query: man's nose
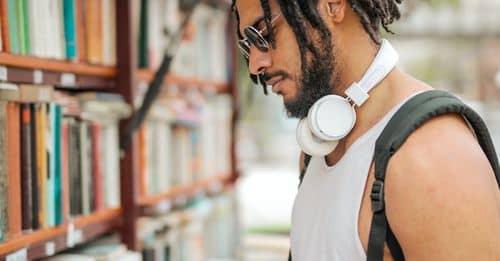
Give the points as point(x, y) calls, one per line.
point(258, 61)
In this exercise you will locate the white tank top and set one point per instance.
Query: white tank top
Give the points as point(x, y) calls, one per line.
point(326, 208)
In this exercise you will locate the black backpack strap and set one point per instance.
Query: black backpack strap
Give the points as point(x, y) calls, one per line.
point(409, 117)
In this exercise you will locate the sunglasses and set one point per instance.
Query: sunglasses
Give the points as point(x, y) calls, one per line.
point(254, 37)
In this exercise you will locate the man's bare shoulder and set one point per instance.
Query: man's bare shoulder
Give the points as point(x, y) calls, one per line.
point(441, 195)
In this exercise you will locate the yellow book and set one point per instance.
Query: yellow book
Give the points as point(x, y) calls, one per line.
point(41, 128)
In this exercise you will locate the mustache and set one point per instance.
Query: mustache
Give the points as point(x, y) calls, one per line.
point(268, 76)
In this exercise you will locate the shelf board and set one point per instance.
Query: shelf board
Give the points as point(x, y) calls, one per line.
point(30, 62)
point(90, 226)
point(63, 74)
point(184, 191)
point(222, 87)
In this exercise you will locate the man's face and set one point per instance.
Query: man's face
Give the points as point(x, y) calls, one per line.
point(292, 72)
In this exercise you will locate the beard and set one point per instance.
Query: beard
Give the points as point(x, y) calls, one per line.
point(317, 81)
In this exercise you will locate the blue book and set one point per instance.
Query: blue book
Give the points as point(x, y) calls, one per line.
point(70, 29)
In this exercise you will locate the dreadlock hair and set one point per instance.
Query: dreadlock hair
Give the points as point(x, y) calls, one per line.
point(372, 14)
point(302, 15)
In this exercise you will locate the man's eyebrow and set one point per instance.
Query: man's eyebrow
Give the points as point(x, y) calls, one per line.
point(257, 21)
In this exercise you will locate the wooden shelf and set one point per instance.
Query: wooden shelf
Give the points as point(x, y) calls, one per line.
point(193, 82)
point(63, 74)
point(30, 62)
point(185, 191)
point(90, 226)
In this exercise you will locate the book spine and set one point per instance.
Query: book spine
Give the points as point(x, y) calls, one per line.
point(23, 27)
point(4, 19)
point(41, 129)
point(14, 168)
point(143, 35)
point(26, 172)
point(51, 164)
point(34, 167)
point(70, 29)
point(4, 175)
point(81, 35)
point(97, 167)
point(58, 183)
point(65, 195)
point(13, 27)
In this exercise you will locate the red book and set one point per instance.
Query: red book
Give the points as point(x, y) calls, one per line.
point(14, 167)
point(80, 30)
point(4, 20)
point(65, 169)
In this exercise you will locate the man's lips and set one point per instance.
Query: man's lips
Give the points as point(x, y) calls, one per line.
point(275, 82)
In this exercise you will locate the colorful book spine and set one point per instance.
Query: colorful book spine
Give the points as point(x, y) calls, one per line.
point(57, 167)
point(70, 29)
point(34, 167)
point(4, 175)
point(26, 172)
point(14, 168)
point(15, 47)
point(41, 163)
point(24, 42)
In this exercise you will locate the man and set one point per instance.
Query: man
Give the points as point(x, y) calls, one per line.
point(442, 200)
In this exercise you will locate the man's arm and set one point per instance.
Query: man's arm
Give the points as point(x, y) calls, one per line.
point(301, 162)
point(442, 200)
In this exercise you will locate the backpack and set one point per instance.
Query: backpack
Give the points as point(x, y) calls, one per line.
point(413, 114)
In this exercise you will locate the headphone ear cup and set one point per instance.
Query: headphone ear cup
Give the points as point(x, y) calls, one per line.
point(310, 144)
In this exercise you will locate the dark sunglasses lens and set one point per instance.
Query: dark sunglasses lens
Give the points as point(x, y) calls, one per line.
point(244, 48)
point(256, 39)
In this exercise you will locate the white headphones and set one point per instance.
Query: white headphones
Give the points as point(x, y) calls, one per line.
point(332, 117)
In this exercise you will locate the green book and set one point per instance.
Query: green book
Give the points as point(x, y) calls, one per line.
point(13, 26)
point(143, 35)
point(57, 168)
point(24, 39)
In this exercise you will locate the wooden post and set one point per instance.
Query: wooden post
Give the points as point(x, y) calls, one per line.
point(125, 82)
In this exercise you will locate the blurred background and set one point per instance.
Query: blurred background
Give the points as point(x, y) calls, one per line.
point(452, 45)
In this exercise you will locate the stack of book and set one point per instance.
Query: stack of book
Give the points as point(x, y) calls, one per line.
point(58, 153)
point(107, 248)
point(77, 30)
point(202, 55)
point(184, 141)
point(204, 229)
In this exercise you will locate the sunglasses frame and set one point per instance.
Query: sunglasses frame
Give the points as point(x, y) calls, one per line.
point(263, 45)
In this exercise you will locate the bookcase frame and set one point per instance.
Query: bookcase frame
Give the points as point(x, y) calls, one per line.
point(123, 79)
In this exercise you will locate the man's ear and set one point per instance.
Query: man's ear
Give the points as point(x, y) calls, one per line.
point(336, 9)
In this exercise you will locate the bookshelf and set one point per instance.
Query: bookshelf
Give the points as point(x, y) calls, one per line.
point(187, 82)
point(85, 228)
point(123, 78)
point(63, 74)
point(202, 186)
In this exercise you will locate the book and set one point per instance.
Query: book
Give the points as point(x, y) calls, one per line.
point(24, 41)
point(15, 46)
point(35, 165)
point(4, 175)
point(4, 23)
point(41, 163)
point(13, 137)
point(57, 164)
point(26, 171)
point(70, 29)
